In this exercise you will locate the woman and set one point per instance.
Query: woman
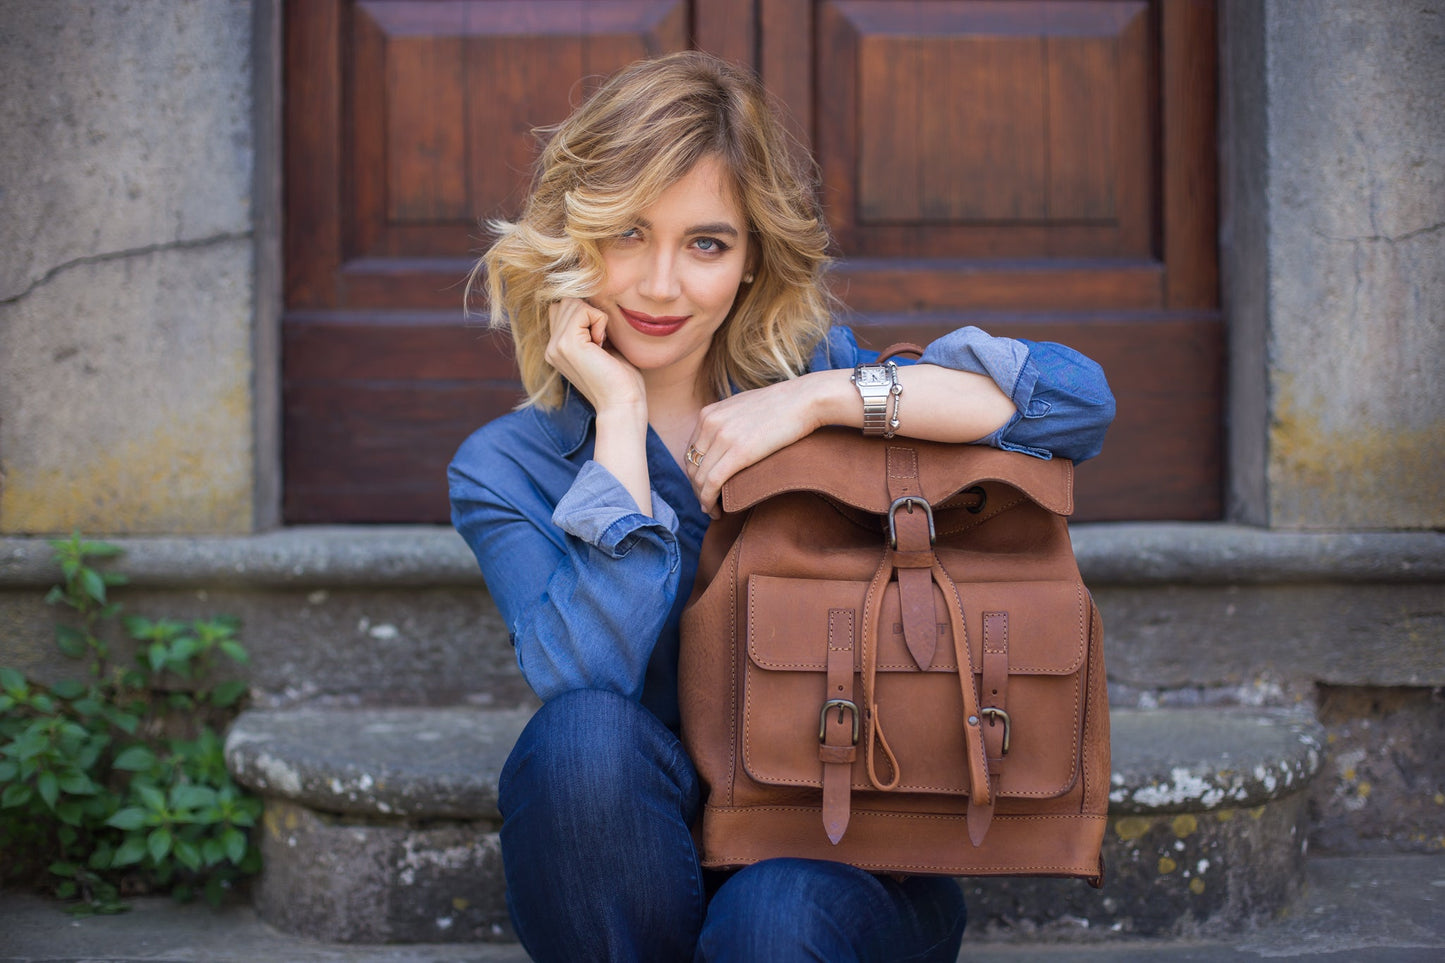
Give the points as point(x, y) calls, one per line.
point(663, 288)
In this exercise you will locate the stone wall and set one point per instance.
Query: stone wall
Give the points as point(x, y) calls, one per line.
point(127, 272)
point(1334, 254)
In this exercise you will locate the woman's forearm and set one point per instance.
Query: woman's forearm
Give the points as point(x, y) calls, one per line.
point(622, 449)
point(936, 404)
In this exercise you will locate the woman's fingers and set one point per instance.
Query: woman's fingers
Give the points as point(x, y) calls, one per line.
point(742, 430)
point(579, 350)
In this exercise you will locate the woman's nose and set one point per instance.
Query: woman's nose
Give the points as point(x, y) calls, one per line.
point(659, 282)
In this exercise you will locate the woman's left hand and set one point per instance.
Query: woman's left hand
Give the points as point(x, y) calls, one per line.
point(736, 432)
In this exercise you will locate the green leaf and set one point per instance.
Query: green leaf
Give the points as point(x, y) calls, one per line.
point(156, 656)
point(49, 788)
point(130, 818)
point(235, 842)
point(235, 650)
point(226, 694)
point(93, 584)
point(131, 851)
point(187, 853)
point(159, 843)
point(85, 708)
point(124, 721)
point(153, 798)
point(183, 648)
point(115, 578)
point(42, 703)
point(135, 759)
point(192, 797)
point(77, 784)
point(99, 549)
point(13, 683)
point(8, 769)
point(67, 889)
point(64, 869)
point(16, 794)
point(56, 594)
point(71, 641)
point(6, 703)
point(70, 812)
point(69, 689)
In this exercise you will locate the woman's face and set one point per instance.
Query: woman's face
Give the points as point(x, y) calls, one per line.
point(672, 278)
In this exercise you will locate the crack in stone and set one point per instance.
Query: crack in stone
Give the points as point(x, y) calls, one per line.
point(1388, 239)
point(61, 268)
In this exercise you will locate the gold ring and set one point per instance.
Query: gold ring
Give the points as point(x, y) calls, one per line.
point(694, 457)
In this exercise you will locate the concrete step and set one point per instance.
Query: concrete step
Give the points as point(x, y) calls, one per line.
point(1379, 909)
point(381, 826)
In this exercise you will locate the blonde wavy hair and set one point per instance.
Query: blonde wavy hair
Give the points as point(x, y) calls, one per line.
point(639, 133)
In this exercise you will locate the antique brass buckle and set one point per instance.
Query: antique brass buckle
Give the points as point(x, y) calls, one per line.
point(908, 501)
point(842, 705)
point(992, 712)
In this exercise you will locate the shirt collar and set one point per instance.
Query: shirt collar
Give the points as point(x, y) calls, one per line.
point(567, 424)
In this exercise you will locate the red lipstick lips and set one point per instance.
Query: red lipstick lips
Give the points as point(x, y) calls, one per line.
point(647, 324)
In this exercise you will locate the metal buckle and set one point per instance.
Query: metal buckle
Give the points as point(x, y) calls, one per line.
point(841, 705)
point(992, 712)
point(908, 501)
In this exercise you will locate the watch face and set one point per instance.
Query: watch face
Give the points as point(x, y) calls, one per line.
point(874, 376)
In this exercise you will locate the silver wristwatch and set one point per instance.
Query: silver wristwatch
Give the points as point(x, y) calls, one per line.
point(876, 383)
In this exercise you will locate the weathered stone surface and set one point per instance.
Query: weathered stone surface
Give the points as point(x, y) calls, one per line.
point(1193, 760)
point(1356, 210)
point(1191, 874)
point(1360, 633)
point(396, 763)
point(1382, 788)
point(127, 285)
point(1207, 832)
point(356, 882)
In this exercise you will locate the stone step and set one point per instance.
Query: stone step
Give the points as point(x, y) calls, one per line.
point(380, 823)
point(381, 826)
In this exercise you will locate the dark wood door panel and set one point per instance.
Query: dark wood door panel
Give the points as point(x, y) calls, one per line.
point(374, 407)
point(984, 129)
point(1042, 167)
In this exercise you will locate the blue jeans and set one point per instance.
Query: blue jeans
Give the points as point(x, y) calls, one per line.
point(597, 799)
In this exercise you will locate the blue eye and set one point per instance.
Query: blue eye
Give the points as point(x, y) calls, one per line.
point(631, 232)
point(710, 245)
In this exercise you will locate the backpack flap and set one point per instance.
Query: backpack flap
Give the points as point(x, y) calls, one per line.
point(813, 465)
point(785, 683)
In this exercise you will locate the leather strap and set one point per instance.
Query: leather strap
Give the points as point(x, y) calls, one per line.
point(980, 791)
point(873, 735)
point(913, 556)
point(994, 694)
point(838, 725)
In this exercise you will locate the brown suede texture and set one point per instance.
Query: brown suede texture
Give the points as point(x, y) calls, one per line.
point(807, 540)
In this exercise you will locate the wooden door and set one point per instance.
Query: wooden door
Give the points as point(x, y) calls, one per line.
point(1042, 168)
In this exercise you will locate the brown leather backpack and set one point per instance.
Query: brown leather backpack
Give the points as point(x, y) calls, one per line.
point(890, 660)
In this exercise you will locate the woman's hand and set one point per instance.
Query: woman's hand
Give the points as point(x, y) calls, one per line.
point(749, 426)
point(578, 349)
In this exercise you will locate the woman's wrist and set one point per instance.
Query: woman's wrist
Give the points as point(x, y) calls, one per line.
point(835, 399)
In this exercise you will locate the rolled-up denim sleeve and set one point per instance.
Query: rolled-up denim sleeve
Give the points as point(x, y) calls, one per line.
point(566, 585)
point(1063, 405)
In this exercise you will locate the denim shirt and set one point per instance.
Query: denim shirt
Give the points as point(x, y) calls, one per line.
point(592, 590)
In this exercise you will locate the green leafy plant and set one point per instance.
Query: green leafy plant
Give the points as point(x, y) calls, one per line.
point(115, 783)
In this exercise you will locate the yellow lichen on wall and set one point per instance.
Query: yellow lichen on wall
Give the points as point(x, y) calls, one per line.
point(189, 473)
point(1357, 477)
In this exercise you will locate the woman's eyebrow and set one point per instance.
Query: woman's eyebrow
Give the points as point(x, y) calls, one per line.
point(721, 227)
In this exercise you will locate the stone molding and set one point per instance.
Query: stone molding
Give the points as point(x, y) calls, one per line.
point(1132, 553)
